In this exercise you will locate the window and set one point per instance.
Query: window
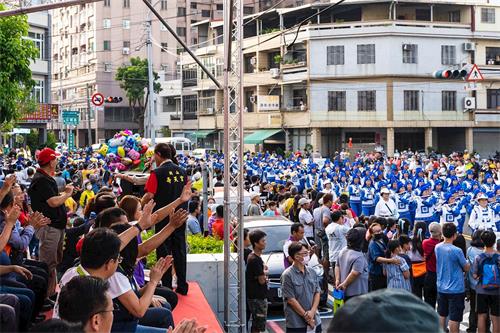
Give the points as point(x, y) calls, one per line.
point(448, 54)
point(454, 16)
point(366, 54)
point(164, 47)
point(107, 67)
point(107, 3)
point(181, 11)
point(488, 15)
point(126, 43)
point(91, 44)
point(193, 5)
point(335, 55)
point(220, 6)
point(205, 13)
point(74, 51)
point(126, 3)
point(39, 40)
point(493, 99)
point(449, 100)
point(410, 53)
point(126, 24)
point(336, 101)
point(106, 23)
point(163, 4)
point(38, 92)
point(247, 10)
point(411, 100)
point(190, 103)
point(423, 14)
point(181, 31)
point(367, 100)
point(493, 55)
point(118, 114)
point(107, 45)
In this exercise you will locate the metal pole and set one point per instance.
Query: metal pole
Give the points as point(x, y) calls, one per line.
point(149, 46)
point(88, 116)
point(182, 90)
point(204, 173)
point(44, 7)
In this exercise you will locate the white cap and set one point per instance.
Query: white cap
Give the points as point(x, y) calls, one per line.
point(481, 196)
point(385, 191)
point(304, 201)
point(197, 176)
point(327, 181)
point(254, 194)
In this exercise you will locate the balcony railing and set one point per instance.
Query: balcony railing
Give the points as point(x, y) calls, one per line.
point(187, 116)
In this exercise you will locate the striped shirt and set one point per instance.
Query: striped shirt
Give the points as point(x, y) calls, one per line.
point(395, 278)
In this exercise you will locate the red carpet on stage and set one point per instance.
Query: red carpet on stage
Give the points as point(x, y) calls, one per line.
point(195, 306)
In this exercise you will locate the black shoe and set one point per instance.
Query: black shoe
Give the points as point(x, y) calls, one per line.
point(182, 291)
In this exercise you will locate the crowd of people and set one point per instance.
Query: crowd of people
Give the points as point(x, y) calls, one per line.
point(71, 238)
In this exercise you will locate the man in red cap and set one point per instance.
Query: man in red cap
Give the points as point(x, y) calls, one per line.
point(45, 198)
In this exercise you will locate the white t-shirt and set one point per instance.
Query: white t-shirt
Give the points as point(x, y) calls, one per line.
point(307, 220)
point(118, 285)
point(386, 209)
point(336, 239)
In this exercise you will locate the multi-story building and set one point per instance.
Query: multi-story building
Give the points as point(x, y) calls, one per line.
point(359, 72)
point(91, 41)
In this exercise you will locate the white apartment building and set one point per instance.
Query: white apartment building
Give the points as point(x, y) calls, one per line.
point(90, 42)
point(361, 71)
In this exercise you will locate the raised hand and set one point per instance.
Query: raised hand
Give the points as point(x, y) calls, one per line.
point(178, 218)
point(146, 221)
point(186, 192)
point(13, 215)
point(9, 181)
point(161, 266)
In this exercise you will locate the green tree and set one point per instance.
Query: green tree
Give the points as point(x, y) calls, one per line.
point(134, 81)
point(51, 139)
point(16, 54)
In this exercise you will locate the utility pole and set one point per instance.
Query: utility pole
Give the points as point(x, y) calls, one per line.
point(89, 130)
point(151, 103)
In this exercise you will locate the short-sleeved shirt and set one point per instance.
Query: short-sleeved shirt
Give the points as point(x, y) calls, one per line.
point(193, 225)
point(302, 287)
point(319, 214)
point(43, 187)
point(336, 239)
point(375, 249)
point(118, 284)
point(351, 260)
point(430, 256)
point(255, 268)
point(475, 270)
point(450, 261)
point(305, 218)
point(395, 278)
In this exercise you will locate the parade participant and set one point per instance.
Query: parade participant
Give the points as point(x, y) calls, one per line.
point(301, 293)
point(425, 205)
point(312, 177)
point(165, 185)
point(482, 216)
point(355, 195)
point(450, 211)
point(46, 199)
point(451, 265)
point(385, 206)
point(368, 198)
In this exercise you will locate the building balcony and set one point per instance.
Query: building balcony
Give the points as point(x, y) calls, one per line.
point(40, 66)
point(186, 116)
point(487, 115)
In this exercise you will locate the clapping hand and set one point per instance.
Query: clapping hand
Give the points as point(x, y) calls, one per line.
point(13, 215)
point(161, 266)
point(9, 181)
point(38, 220)
point(188, 326)
point(186, 192)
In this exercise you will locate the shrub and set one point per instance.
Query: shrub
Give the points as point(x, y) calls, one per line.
point(200, 244)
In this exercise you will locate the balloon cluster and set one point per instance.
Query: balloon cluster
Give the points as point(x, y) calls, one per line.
point(125, 151)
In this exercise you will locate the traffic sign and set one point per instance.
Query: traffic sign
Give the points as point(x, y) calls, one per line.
point(97, 99)
point(474, 74)
point(71, 140)
point(71, 117)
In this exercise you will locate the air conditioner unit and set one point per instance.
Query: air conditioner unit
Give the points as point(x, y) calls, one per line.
point(253, 99)
point(253, 61)
point(275, 73)
point(210, 110)
point(469, 47)
point(469, 103)
point(126, 51)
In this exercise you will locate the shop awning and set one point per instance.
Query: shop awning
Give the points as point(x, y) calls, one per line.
point(202, 134)
point(259, 136)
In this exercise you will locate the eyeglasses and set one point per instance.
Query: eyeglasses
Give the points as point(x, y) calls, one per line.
point(119, 259)
point(115, 308)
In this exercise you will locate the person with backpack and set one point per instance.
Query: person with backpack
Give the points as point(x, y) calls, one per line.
point(486, 269)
